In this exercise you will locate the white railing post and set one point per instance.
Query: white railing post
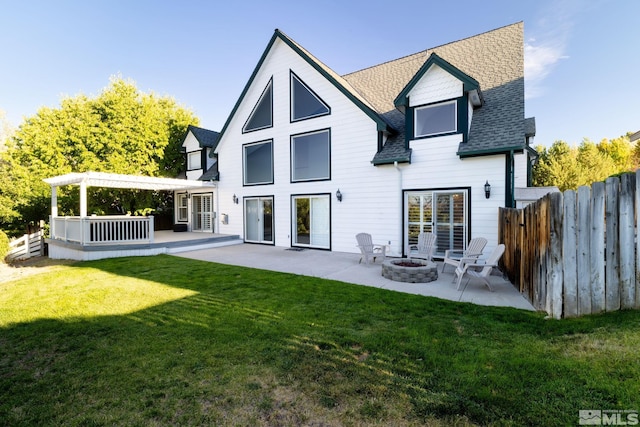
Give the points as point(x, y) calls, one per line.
point(151, 228)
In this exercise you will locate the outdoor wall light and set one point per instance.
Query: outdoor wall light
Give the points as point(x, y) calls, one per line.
point(235, 199)
point(487, 190)
point(339, 195)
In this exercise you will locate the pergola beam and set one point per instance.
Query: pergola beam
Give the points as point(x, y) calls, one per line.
point(113, 180)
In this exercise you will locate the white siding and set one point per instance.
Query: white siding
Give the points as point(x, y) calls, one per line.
point(435, 85)
point(372, 196)
point(447, 171)
point(520, 169)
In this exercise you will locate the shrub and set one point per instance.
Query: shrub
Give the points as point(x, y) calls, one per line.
point(4, 245)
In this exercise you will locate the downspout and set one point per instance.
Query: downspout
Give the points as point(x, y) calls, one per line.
point(400, 222)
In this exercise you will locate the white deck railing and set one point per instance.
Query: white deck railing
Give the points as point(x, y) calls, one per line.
point(95, 230)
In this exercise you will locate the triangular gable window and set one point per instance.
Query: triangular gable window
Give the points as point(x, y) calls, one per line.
point(304, 103)
point(262, 115)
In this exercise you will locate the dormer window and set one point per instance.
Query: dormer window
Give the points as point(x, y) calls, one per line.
point(194, 160)
point(435, 119)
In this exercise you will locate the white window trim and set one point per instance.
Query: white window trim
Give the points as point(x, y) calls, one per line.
point(244, 164)
point(292, 160)
point(179, 207)
point(437, 104)
point(255, 107)
point(189, 165)
point(292, 98)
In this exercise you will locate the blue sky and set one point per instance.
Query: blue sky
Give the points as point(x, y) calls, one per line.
point(582, 56)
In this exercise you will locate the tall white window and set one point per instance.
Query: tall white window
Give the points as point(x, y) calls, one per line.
point(182, 208)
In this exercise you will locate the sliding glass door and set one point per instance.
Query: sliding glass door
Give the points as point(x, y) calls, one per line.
point(258, 220)
point(441, 212)
point(311, 221)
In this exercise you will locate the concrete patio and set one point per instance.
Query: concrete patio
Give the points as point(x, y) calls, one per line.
point(344, 267)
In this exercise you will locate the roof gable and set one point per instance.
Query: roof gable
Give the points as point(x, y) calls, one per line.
point(334, 78)
point(402, 100)
point(205, 137)
point(495, 59)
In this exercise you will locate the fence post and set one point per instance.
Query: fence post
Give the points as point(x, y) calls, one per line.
point(583, 212)
point(612, 271)
point(569, 255)
point(627, 244)
point(597, 247)
point(637, 269)
point(555, 255)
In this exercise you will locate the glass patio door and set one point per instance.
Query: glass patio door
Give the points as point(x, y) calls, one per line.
point(311, 221)
point(202, 209)
point(258, 219)
point(440, 212)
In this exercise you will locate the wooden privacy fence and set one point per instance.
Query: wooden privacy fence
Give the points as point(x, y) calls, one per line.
point(576, 253)
point(27, 246)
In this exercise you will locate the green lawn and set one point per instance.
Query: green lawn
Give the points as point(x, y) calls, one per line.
point(171, 341)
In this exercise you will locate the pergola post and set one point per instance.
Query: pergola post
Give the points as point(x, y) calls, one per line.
point(54, 201)
point(83, 199)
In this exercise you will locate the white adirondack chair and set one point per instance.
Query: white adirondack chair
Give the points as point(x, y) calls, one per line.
point(370, 250)
point(426, 246)
point(479, 268)
point(474, 250)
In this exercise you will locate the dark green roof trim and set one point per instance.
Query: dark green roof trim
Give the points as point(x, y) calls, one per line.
point(406, 159)
point(382, 124)
point(246, 87)
point(490, 151)
point(469, 83)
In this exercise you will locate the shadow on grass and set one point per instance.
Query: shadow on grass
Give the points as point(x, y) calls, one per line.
point(257, 347)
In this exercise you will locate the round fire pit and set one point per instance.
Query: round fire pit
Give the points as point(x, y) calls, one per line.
point(410, 270)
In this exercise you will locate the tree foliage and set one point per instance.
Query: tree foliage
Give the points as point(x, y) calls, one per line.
point(569, 167)
point(122, 130)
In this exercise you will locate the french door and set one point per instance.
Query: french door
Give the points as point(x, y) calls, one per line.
point(441, 212)
point(258, 220)
point(202, 208)
point(311, 221)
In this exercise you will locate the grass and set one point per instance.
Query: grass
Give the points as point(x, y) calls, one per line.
point(171, 341)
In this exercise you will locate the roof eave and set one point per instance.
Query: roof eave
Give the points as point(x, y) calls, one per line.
point(490, 151)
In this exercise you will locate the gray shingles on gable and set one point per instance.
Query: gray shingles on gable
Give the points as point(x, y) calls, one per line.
point(495, 59)
point(206, 138)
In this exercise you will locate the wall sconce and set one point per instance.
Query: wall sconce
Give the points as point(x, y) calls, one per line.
point(235, 199)
point(487, 190)
point(339, 195)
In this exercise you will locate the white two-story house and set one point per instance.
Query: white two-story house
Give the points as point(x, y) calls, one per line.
point(434, 141)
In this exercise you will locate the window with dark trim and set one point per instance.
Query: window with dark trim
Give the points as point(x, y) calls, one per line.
point(311, 156)
point(305, 104)
point(435, 119)
point(258, 163)
point(261, 116)
point(194, 160)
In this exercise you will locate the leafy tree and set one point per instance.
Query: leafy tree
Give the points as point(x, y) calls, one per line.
point(120, 131)
point(569, 167)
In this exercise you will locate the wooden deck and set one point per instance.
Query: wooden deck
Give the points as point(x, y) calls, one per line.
point(163, 242)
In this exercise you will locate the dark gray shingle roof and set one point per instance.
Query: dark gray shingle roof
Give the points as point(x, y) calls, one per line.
point(495, 59)
point(206, 138)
